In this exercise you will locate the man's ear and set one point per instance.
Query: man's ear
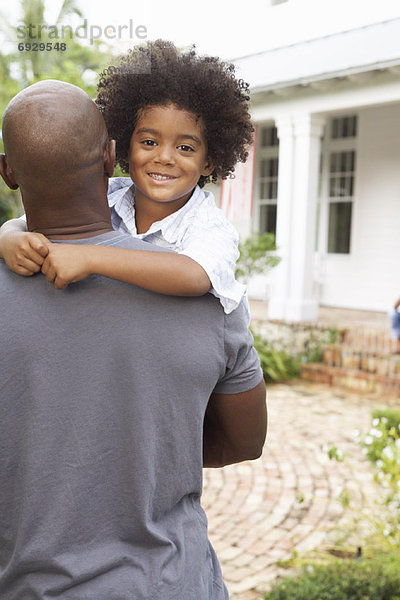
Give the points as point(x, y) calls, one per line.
point(208, 168)
point(6, 173)
point(109, 158)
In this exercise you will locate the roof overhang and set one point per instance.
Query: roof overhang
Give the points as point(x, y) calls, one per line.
point(355, 55)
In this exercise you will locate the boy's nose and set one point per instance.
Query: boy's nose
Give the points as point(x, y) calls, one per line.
point(165, 155)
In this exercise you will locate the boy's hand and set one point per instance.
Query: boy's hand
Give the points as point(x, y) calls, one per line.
point(24, 252)
point(66, 264)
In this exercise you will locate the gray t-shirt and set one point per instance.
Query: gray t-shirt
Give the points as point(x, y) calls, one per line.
point(103, 391)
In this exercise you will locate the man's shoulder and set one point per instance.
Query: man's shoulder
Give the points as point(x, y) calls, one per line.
point(131, 243)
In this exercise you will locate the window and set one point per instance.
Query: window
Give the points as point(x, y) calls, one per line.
point(267, 181)
point(341, 176)
point(344, 127)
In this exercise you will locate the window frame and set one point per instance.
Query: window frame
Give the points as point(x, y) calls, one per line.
point(330, 146)
point(263, 153)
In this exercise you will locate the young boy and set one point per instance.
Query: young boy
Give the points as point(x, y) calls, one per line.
point(179, 121)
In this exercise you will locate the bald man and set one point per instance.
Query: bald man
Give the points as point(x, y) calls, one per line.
point(111, 396)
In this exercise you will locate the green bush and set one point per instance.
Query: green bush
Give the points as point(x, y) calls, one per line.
point(382, 445)
point(257, 255)
point(10, 203)
point(277, 365)
point(371, 579)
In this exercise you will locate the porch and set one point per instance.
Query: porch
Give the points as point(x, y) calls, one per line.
point(323, 173)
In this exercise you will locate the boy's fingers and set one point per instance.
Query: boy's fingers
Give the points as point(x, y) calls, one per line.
point(40, 244)
point(50, 275)
point(30, 266)
point(42, 249)
point(24, 272)
point(60, 284)
point(35, 257)
point(48, 270)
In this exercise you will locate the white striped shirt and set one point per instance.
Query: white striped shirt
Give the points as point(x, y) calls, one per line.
point(198, 230)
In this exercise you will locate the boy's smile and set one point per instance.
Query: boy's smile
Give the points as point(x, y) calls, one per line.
point(167, 155)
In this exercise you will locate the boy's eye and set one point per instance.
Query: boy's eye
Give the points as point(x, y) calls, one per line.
point(185, 148)
point(149, 142)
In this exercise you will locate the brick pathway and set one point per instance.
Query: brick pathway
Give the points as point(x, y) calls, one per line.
point(290, 498)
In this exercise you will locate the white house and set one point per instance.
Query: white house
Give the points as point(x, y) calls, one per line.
point(324, 173)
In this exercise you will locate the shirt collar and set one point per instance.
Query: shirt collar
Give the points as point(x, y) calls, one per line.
point(171, 225)
point(123, 202)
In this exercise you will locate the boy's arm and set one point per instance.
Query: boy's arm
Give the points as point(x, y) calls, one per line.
point(23, 252)
point(235, 427)
point(13, 225)
point(162, 272)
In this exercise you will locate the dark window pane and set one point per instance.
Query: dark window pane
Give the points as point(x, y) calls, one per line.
point(344, 127)
point(264, 168)
point(339, 227)
point(352, 160)
point(274, 167)
point(270, 190)
point(332, 187)
point(354, 127)
point(335, 129)
point(271, 167)
point(263, 190)
point(347, 186)
point(263, 137)
point(351, 186)
point(342, 189)
point(275, 140)
point(268, 218)
point(269, 137)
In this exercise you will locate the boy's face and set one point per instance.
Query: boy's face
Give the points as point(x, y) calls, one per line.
point(167, 155)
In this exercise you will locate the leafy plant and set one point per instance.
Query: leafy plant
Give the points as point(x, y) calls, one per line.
point(277, 365)
point(334, 335)
point(256, 255)
point(382, 446)
point(382, 443)
point(369, 579)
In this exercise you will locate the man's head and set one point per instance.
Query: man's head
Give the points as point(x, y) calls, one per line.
point(56, 147)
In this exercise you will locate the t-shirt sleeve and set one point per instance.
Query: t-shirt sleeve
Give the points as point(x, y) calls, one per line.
point(213, 244)
point(243, 371)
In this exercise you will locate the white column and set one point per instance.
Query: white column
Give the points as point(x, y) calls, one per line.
point(292, 297)
point(281, 274)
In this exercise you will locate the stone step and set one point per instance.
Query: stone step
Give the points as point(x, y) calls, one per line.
point(353, 379)
point(369, 361)
point(369, 340)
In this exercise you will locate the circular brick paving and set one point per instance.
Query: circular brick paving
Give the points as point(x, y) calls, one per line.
point(294, 496)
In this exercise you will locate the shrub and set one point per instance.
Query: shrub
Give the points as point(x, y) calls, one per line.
point(257, 255)
point(382, 446)
point(277, 365)
point(385, 433)
point(371, 579)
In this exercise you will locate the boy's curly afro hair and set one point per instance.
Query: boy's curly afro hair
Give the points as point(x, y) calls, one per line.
point(158, 74)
